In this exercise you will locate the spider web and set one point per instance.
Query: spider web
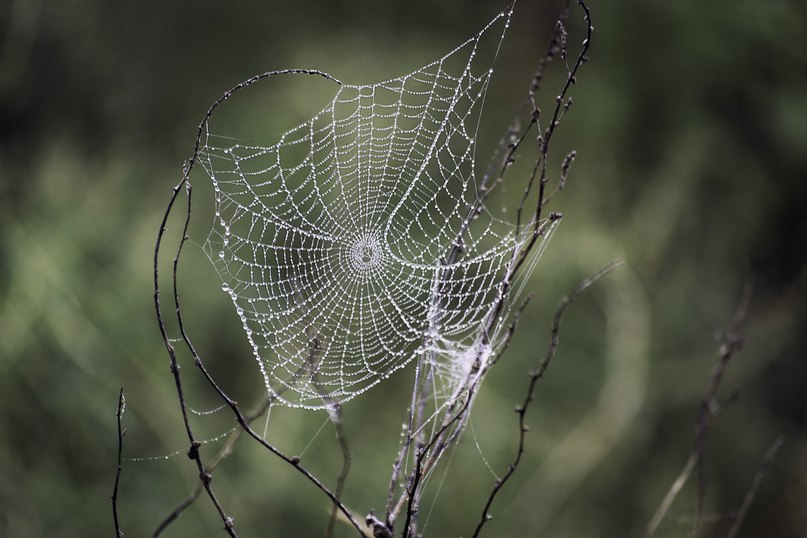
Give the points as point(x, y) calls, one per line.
point(356, 242)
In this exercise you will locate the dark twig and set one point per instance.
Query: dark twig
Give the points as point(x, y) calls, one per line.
point(539, 227)
point(556, 45)
point(121, 433)
point(222, 454)
point(546, 138)
point(730, 344)
point(426, 456)
point(335, 414)
point(422, 468)
point(233, 405)
point(521, 410)
point(193, 452)
point(752, 491)
point(347, 458)
point(183, 505)
point(413, 432)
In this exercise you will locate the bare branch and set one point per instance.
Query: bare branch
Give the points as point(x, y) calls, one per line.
point(220, 456)
point(454, 412)
point(539, 227)
point(752, 491)
point(193, 452)
point(422, 468)
point(730, 343)
point(521, 410)
point(121, 433)
point(347, 458)
point(670, 496)
point(426, 456)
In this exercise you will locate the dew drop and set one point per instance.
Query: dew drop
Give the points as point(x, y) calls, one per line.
point(225, 287)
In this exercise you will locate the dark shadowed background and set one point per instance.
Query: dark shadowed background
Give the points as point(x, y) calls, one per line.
point(690, 124)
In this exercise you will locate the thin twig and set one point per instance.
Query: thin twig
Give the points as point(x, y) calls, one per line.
point(121, 433)
point(521, 410)
point(419, 472)
point(539, 227)
point(220, 456)
point(555, 45)
point(233, 405)
point(426, 456)
point(670, 496)
point(193, 452)
point(752, 491)
point(347, 457)
point(396, 472)
point(413, 431)
point(730, 343)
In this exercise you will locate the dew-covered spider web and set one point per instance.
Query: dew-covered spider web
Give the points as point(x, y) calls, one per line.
point(356, 243)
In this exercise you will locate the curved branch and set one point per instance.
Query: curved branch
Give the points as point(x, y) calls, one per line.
point(193, 451)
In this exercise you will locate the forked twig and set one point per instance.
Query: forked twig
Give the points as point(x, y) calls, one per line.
point(193, 451)
point(539, 227)
point(422, 468)
point(211, 466)
point(521, 410)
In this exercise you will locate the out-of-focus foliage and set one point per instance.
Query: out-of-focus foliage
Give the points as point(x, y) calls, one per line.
point(690, 124)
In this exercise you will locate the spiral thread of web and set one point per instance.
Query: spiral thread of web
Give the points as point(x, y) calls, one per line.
point(333, 242)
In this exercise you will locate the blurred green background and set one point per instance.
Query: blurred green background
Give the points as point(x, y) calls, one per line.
point(690, 124)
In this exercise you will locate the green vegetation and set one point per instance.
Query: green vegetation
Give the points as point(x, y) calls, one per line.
point(690, 125)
